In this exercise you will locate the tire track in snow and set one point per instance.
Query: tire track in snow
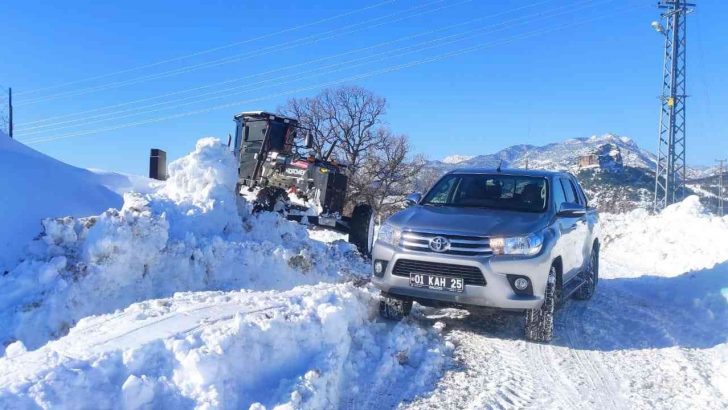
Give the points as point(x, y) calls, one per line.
point(104, 336)
point(600, 379)
point(489, 372)
point(615, 351)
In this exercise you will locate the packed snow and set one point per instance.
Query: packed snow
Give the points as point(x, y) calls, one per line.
point(311, 347)
point(191, 234)
point(179, 297)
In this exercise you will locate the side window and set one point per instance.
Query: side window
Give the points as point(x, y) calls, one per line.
point(568, 190)
point(577, 198)
point(582, 196)
point(559, 197)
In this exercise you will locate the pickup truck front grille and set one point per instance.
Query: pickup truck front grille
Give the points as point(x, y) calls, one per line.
point(470, 274)
point(459, 244)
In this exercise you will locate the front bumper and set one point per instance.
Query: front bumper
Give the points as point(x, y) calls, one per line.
point(497, 292)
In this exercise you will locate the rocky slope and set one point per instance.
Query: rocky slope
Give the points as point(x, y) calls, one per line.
point(617, 174)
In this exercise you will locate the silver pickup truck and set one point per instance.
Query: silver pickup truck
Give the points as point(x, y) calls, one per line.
point(517, 240)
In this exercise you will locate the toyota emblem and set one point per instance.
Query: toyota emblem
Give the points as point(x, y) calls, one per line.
point(439, 244)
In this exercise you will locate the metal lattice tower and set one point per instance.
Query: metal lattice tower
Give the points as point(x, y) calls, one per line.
point(721, 208)
point(670, 172)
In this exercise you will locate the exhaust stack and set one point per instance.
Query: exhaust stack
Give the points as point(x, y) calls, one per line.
point(158, 164)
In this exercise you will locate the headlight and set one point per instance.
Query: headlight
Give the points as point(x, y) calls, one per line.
point(389, 234)
point(517, 245)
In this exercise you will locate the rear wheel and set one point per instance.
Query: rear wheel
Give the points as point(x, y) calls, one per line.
point(270, 199)
point(361, 229)
point(540, 321)
point(394, 308)
point(591, 277)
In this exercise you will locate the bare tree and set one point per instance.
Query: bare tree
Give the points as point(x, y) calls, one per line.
point(347, 117)
point(354, 113)
point(311, 115)
point(347, 122)
point(387, 173)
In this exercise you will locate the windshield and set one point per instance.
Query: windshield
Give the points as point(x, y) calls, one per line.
point(510, 192)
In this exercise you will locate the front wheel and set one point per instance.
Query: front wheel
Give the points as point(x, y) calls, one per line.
point(394, 308)
point(590, 276)
point(540, 321)
point(361, 229)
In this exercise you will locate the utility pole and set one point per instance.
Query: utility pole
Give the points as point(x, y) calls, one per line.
point(670, 170)
point(720, 186)
point(10, 111)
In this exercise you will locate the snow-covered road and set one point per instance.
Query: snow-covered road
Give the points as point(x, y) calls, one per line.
point(620, 350)
point(652, 337)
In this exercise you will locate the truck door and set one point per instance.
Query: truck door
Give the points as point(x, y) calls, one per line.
point(568, 227)
point(589, 222)
point(582, 229)
point(252, 135)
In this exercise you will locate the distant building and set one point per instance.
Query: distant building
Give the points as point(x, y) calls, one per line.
point(588, 160)
point(607, 156)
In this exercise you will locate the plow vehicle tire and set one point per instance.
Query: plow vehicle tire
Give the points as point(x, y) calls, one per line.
point(361, 232)
point(267, 199)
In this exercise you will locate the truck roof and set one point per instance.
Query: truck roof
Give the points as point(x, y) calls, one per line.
point(517, 171)
point(264, 114)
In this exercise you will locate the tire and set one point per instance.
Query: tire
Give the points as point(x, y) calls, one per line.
point(591, 277)
point(394, 308)
point(361, 229)
point(540, 321)
point(268, 200)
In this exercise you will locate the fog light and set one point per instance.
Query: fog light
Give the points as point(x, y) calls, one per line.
point(378, 267)
point(521, 283)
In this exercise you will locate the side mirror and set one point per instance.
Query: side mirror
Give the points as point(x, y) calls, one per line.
point(413, 199)
point(571, 210)
point(309, 140)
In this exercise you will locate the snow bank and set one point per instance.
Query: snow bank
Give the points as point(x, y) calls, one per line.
point(682, 238)
point(193, 233)
point(35, 186)
point(312, 347)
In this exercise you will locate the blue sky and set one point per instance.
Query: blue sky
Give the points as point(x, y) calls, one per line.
point(536, 72)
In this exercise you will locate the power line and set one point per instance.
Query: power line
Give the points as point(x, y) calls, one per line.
point(211, 50)
point(357, 77)
point(239, 57)
point(335, 82)
point(366, 60)
point(279, 69)
point(330, 83)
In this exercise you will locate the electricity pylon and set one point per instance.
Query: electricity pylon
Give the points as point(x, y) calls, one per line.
point(670, 172)
point(720, 186)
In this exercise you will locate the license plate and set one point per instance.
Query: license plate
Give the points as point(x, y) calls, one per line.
point(421, 280)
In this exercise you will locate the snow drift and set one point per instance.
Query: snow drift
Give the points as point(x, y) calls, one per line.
point(35, 186)
point(305, 347)
point(194, 233)
point(682, 238)
point(311, 347)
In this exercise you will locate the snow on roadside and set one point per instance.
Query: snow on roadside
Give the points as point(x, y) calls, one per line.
point(35, 186)
point(311, 347)
point(682, 238)
point(193, 233)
